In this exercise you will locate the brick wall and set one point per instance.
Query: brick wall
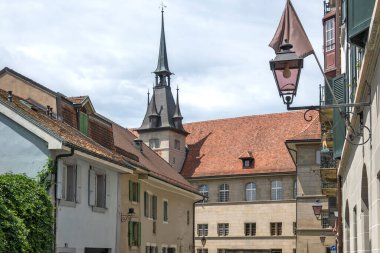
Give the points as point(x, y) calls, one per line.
point(69, 115)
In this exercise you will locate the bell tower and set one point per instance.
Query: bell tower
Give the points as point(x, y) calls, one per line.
point(162, 127)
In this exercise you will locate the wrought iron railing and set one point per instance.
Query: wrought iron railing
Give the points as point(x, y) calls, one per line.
point(326, 184)
point(327, 159)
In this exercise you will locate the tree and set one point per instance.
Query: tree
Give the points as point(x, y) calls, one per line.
point(26, 217)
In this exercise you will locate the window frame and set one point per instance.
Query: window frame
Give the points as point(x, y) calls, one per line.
point(224, 193)
point(202, 229)
point(275, 228)
point(154, 143)
point(134, 233)
point(223, 229)
point(250, 229)
point(252, 190)
point(177, 144)
point(150, 205)
point(276, 190)
point(204, 192)
point(165, 204)
point(330, 34)
point(96, 174)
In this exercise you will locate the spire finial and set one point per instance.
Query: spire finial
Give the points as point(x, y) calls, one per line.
point(148, 96)
point(162, 6)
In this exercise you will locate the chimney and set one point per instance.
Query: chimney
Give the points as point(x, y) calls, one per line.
point(47, 110)
point(138, 144)
point(51, 111)
point(10, 96)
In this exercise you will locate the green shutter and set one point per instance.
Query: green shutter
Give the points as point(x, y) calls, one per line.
point(353, 72)
point(328, 94)
point(139, 234)
point(359, 14)
point(130, 190)
point(138, 192)
point(130, 233)
point(339, 129)
point(83, 123)
point(146, 199)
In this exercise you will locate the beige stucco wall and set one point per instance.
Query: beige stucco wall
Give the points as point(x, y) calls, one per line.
point(237, 212)
point(27, 91)
point(174, 233)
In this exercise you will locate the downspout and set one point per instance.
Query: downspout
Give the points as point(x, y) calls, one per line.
point(295, 151)
point(55, 193)
point(198, 201)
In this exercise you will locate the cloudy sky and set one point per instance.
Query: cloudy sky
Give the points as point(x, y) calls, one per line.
point(218, 50)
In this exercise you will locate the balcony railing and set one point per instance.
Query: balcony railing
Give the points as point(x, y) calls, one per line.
point(329, 185)
point(327, 159)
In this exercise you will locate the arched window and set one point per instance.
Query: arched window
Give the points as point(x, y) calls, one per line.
point(203, 189)
point(224, 193)
point(276, 190)
point(250, 192)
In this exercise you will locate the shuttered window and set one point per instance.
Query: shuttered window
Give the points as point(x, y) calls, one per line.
point(134, 233)
point(83, 123)
point(339, 130)
point(150, 206)
point(134, 191)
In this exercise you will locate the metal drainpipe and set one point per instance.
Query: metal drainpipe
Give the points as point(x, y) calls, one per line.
point(55, 193)
point(194, 222)
point(296, 152)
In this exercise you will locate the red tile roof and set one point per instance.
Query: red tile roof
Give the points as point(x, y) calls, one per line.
point(150, 160)
point(215, 146)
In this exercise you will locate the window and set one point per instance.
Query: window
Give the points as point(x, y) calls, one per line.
point(276, 251)
point(330, 34)
point(177, 144)
point(247, 163)
point(150, 206)
point(276, 190)
point(202, 229)
point(250, 192)
point(134, 191)
point(154, 143)
point(151, 249)
point(67, 183)
point(165, 210)
point(223, 229)
point(224, 193)
point(98, 192)
point(203, 189)
point(134, 235)
point(202, 250)
point(325, 219)
point(222, 250)
point(275, 228)
point(250, 229)
point(294, 228)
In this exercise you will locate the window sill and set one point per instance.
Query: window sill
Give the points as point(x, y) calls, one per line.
point(66, 203)
point(165, 222)
point(99, 209)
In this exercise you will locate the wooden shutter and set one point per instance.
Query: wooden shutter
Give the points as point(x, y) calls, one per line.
point(60, 172)
point(78, 191)
point(154, 209)
point(130, 233)
point(146, 204)
point(83, 123)
point(138, 191)
point(339, 129)
point(91, 187)
point(139, 234)
point(108, 190)
point(130, 190)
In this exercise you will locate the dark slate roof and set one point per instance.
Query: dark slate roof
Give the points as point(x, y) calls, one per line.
point(162, 65)
point(166, 108)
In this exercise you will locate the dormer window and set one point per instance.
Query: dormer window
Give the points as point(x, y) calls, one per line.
point(247, 163)
point(247, 159)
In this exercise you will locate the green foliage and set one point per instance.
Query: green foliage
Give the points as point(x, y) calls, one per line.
point(26, 215)
point(44, 176)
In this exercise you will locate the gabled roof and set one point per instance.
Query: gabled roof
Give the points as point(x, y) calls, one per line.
point(215, 146)
point(67, 134)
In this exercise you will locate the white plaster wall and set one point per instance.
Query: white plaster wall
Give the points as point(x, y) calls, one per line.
point(81, 227)
point(369, 154)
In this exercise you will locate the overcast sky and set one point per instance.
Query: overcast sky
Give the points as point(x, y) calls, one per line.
point(218, 50)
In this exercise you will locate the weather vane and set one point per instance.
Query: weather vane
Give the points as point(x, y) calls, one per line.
point(162, 6)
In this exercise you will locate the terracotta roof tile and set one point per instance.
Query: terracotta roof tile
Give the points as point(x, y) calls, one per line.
point(215, 146)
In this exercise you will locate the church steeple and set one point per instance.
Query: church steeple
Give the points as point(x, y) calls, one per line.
point(162, 71)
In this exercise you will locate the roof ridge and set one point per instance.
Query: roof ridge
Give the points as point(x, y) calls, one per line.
point(247, 116)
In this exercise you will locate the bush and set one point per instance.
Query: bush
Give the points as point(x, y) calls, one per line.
point(26, 218)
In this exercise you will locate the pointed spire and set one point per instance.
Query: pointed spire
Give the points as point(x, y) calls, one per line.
point(148, 97)
point(177, 112)
point(153, 111)
point(162, 65)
